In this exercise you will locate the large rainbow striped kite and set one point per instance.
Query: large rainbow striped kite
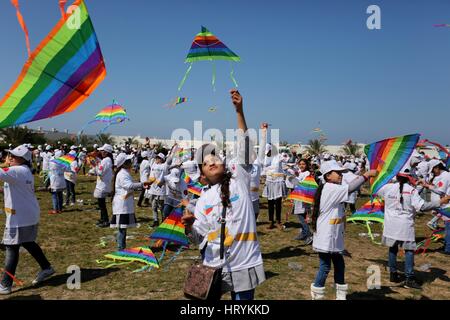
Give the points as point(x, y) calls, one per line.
point(305, 191)
point(60, 73)
point(207, 47)
point(388, 157)
point(64, 161)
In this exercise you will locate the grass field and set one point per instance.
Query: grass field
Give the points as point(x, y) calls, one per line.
point(73, 239)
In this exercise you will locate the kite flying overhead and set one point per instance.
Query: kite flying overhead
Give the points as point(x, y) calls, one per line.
point(207, 47)
point(59, 74)
point(112, 114)
point(176, 101)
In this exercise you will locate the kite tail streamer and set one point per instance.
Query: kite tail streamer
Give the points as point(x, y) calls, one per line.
point(15, 3)
point(163, 251)
point(112, 264)
point(17, 281)
point(172, 259)
point(232, 76)
point(185, 77)
point(214, 77)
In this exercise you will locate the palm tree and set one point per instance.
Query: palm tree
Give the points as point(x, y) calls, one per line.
point(351, 149)
point(85, 140)
point(103, 138)
point(315, 147)
point(19, 135)
point(131, 141)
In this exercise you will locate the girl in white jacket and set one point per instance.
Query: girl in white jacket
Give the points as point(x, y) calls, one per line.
point(401, 202)
point(123, 198)
point(57, 184)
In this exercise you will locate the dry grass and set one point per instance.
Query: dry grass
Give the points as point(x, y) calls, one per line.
point(73, 239)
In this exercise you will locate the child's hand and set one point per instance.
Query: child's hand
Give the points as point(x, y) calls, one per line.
point(236, 98)
point(187, 218)
point(184, 202)
point(264, 125)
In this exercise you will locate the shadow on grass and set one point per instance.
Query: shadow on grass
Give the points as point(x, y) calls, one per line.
point(375, 294)
point(270, 274)
point(425, 276)
point(61, 279)
point(286, 252)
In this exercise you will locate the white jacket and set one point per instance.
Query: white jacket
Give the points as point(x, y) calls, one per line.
point(123, 201)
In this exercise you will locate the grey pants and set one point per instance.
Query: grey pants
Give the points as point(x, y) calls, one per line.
point(157, 205)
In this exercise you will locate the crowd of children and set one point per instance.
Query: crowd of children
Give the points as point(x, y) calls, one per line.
point(232, 186)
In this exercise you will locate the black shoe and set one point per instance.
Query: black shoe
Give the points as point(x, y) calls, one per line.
point(395, 277)
point(412, 283)
point(104, 224)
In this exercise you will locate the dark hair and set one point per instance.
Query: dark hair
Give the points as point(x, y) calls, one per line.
point(116, 171)
point(402, 181)
point(308, 165)
point(210, 149)
point(316, 207)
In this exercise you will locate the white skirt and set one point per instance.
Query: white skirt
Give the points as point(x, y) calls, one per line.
point(243, 280)
point(19, 235)
point(274, 190)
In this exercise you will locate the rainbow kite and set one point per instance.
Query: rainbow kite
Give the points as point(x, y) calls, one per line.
point(207, 47)
point(372, 210)
point(172, 230)
point(176, 101)
point(64, 161)
point(139, 254)
point(305, 191)
point(388, 157)
point(60, 73)
point(110, 115)
point(193, 187)
point(434, 237)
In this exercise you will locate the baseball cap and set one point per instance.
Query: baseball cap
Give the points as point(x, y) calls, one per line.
point(329, 166)
point(22, 152)
point(48, 147)
point(433, 163)
point(106, 147)
point(162, 156)
point(121, 158)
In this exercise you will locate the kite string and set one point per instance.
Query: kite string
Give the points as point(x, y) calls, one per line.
point(232, 76)
point(214, 77)
point(15, 3)
point(185, 77)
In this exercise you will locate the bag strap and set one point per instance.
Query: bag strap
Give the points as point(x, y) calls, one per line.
point(222, 232)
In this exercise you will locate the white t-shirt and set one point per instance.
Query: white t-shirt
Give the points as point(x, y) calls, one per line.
point(441, 184)
point(329, 236)
point(123, 201)
point(144, 170)
point(46, 157)
point(242, 249)
point(104, 172)
point(56, 176)
point(71, 175)
point(21, 206)
point(347, 178)
point(273, 169)
point(158, 172)
point(255, 180)
point(398, 219)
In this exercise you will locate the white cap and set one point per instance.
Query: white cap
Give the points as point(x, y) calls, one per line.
point(49, 147)
point(58, 154)
point(162, 156)
point(40, 147)
point(95, 146)
point(106, 147)
point(144, 154)
point(84, 149)
point(329, 166)
point(433, 163)
point(73, 147)
point(268, 148)
point(22, 152)
point(350, 166)
point(121, 158)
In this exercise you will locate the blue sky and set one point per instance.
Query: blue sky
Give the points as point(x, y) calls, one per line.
point(303, 62)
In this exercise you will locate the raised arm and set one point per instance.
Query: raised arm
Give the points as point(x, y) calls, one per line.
point(243, 150)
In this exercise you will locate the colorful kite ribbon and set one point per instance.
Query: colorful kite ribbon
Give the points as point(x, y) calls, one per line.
point(15, 3)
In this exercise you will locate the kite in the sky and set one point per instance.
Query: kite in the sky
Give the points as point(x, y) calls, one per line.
point(207, 47)
point(388, 157)
point(59, 74)
point(212, 109)
point(110, 115)
point(373, 211)
point(442, 25)
point(176, 101)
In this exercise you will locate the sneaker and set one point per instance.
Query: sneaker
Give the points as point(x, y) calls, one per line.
point(54, 212)
point(5, 290)
point(395, 277)
point(412, 283)
point(103, 224)
point(43, 275)
point(308, 240)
